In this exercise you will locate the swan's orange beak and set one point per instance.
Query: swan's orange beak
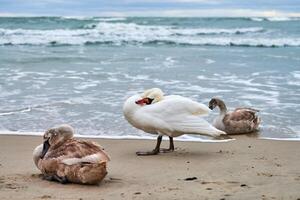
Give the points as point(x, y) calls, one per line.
point(143, 101)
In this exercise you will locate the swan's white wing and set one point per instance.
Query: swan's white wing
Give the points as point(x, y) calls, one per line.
point(178, 104)
point(194, 125)
point(177, 115)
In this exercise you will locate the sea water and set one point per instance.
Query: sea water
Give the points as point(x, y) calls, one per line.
point(80, 70)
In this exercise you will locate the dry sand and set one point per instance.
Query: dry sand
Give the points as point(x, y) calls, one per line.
point(247, 168)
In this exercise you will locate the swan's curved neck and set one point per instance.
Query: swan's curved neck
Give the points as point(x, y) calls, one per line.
point(130, 107)
point(37, 154)
point(222, 107)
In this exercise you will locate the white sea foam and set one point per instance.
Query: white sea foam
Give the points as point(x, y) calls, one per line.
point(86, 85)
point(295, 129)
point(6, 93)
point(169, 62)
point(270, 99)
point(295, 79)
point(197, 88)
point(23, 110)
point(209, 61)
point(166, 82)
point(137, 77)
point(282, 18)
point(111, 19)
point(296, 74)
point(201, 77)
point(257, 19)
point(296, 83)
point(280, 139)
point(122, 33)
point(133, 137)
point(76, 17)
point(275, 19)
point(123, 137)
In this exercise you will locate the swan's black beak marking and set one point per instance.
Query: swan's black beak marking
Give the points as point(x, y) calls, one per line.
point(46, 146)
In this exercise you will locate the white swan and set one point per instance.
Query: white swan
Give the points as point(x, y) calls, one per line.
point(171, 115)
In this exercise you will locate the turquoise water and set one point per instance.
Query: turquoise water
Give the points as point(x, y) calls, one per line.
point(80, 70)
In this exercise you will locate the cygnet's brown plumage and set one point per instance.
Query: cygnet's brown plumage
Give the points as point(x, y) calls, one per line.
point(241, 120)
point(65, 159)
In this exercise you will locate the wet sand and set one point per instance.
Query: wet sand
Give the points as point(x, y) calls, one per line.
point(247, 168)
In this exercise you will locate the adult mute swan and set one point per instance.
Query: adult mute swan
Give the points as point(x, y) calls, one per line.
point(241, 120)
point(65, 159)
point(171, 115)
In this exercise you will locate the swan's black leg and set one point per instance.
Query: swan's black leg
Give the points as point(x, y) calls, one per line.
point(54, 177)
point(171, 147)
point(154, 151)
point(62, 180)
point(48, 177)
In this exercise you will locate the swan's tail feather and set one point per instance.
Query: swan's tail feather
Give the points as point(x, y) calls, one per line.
point(200, 126)
point(213, 132)
point(220, 135)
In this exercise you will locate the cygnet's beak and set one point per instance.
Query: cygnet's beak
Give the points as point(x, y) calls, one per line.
point(46, 146)
point(211, 107)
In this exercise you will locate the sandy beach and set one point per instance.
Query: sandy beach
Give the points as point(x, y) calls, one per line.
point(247, 168)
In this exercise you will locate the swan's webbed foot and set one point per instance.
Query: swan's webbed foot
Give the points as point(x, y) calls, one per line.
point(157, 149)
point(147, 153)
point(62, 180)
point(163, 150)
point(154, 152)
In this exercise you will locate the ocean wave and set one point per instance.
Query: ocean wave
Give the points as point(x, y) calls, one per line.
point(217, 31)
point(274, 19)
point(224, 41)
point(258, 19)
point(239, 42)
point(104, 28)
point(282, 18)
point(104, 33)
point(11, 112)
point(110, 19)
point(74, 17)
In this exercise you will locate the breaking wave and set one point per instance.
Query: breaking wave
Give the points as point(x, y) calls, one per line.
point(274, 19)
point(117, 33)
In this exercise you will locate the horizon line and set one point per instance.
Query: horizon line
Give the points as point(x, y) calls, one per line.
point(180, 13)
point(153, 16)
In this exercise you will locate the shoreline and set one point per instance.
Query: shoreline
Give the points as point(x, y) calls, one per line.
point(245, 168)
point(184, 138)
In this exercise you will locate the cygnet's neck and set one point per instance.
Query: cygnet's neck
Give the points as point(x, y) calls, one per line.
point(222, 107)
point(37, 154)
